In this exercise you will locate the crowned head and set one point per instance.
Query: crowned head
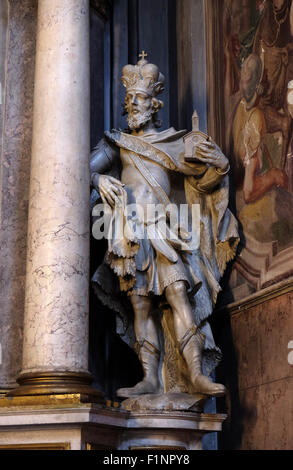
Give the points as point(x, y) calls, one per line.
point(143, 82)
point(143, 77)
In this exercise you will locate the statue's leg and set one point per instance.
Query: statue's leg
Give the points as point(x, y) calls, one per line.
point(147, 347)
point(190, 339)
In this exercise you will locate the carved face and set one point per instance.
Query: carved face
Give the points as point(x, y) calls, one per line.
point(139, 106)
point(138, 102)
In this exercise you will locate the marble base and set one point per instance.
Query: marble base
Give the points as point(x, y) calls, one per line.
point(165, 402)
point(67, 423)
point(168, 430)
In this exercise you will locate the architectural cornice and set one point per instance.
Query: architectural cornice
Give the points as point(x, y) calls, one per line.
point(260, 297)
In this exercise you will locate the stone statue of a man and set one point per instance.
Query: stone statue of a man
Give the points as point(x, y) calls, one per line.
point(145, 168)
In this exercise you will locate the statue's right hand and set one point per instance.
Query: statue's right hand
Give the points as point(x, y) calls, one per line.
point(110, 189)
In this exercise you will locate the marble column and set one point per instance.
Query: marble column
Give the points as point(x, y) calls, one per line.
point(55, 349)
point(18, 21)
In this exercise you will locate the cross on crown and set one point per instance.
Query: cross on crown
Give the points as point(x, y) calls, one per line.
point(143, 55)
point(142, 60)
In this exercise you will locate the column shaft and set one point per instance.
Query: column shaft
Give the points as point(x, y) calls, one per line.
point(55, 351)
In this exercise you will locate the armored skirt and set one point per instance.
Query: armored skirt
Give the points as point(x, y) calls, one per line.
point(149, 255)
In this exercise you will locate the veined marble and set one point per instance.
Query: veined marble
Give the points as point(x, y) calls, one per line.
point(17, 101)
point(56, 307)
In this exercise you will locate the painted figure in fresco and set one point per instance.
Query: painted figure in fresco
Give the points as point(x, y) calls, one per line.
point(240, 24)
point(263, 186)
point(249, 130)
point(152, 273)
point(274, 38)
point(270, 37)
point(258, 51)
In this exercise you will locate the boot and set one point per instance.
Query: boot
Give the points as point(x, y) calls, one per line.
point(149, 357)
point(191, 346)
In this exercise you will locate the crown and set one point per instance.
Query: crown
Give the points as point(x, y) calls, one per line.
point(143, 77)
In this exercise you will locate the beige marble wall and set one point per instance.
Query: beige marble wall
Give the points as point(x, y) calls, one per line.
point(259, 377)
point(14, 181)
point(261, 337)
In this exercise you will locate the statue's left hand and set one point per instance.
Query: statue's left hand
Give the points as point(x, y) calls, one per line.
point(110, 189)
point(209, 152)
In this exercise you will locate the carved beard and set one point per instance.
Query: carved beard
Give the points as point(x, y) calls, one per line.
point(136, 121)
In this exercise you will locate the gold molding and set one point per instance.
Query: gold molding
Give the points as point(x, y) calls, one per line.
point(38, 446)
point(269, 293)
point(48, 400)
point(92, 446)
point(56, 383)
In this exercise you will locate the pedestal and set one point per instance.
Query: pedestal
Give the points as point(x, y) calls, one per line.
point(67, 423)
point(169, 430)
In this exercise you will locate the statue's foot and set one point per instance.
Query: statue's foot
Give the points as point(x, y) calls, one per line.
point(142, 388)
point(205, 386)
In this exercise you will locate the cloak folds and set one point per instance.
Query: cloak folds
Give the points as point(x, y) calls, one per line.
point(196, 184)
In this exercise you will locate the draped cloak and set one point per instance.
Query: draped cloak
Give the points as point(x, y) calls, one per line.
point(192, 184)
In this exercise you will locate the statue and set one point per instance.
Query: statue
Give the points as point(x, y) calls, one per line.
point(170, 282)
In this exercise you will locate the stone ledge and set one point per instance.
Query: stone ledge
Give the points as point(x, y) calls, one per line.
point(80, 424)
